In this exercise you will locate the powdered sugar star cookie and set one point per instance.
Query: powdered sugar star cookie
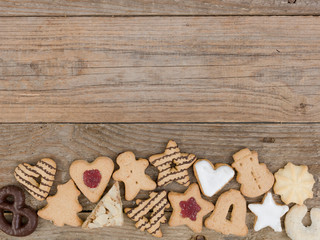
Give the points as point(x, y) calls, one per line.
point(189, 208)
point(212, 178)
point(294, 227)
point(172, 165)
point(268, 213)
point(294, 184)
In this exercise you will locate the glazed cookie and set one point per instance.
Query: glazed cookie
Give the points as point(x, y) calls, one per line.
point(108, 211)
point(19, 209)
point(63, 207)
point(294, 227)
point(27, 175)
point(189, 208)
point(268, 213)
point(254, 177)
point(132, 173)
point(172, 165)
point(237, 224)
point(157, 202)
point(212, 178)
point(294, 184)
point(92, 178)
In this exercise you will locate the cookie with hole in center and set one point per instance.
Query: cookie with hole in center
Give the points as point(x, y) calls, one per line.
point(132, 173)
point(189, 208)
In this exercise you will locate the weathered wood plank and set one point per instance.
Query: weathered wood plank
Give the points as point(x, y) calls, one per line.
point(276, 144)
point(159, 69)
point(152, 7)
point(129, 232)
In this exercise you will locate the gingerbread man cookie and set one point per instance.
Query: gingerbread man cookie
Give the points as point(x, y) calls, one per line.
point(294, 184)
point(132, 173)
point(268, 214)
point(189, 208)
point(92, 178)
point(237, 224)
point(27, 174)
point(254, 177)
point(63, 207)
point(172, 165)
point(157, 202)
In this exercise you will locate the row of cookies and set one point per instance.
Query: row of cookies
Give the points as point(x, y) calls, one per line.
point(188, 208)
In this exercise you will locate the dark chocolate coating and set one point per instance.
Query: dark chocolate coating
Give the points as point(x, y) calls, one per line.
point(18, 209)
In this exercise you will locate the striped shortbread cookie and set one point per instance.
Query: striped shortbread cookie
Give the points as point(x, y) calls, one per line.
point(27, 175)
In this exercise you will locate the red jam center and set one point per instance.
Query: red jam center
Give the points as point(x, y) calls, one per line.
point(189, 209)
point(92, 178)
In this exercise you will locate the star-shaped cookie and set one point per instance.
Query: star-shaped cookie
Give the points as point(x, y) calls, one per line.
point(189, 208)
point(172, 165)
point(268, 213)
point(132, 173)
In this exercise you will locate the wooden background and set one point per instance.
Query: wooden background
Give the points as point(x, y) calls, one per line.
point(80, 79)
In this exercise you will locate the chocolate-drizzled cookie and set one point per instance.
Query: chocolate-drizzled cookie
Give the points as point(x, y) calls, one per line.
point(173, 165)
point(27, 174)
point(19, 209)
point(157, 202)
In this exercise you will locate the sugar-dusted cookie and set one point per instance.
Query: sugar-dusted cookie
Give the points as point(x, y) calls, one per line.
point(189, 208)
point(108, 211)
point(268, 213)
point(218, 219)
point(92, 178)
point(132, 173)
point(27, 175)
point(254, 177)
point(294, 184)
point(295, 228)
point(157, 202)
point(172, 165)
point(63, 207)
point(212, 178)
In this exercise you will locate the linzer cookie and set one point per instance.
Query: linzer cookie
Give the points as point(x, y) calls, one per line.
point(268, 213)
point(254, 177)
point(92, 178)
point(172, 165)
point(294, 184)
point(218, 220)
point(63, 207)
point(108, 211)
point(19, 210)
point(189, 208)
point(132, 173)
point(295, 228)
point(157, 202)
point(27, 174)
point(212, 178)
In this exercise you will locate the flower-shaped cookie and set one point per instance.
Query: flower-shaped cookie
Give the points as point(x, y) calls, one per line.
point(294, 184)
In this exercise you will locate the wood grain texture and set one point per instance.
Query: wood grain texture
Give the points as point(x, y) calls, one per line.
point(277, 144)
point(153, 7)
point(160, 69)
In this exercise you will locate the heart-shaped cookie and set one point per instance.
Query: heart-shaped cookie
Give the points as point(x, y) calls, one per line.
point(27, 174)
point(92, 178)
point(211, 179)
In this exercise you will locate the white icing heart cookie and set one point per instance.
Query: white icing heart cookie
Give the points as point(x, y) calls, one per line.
point(212, 178)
